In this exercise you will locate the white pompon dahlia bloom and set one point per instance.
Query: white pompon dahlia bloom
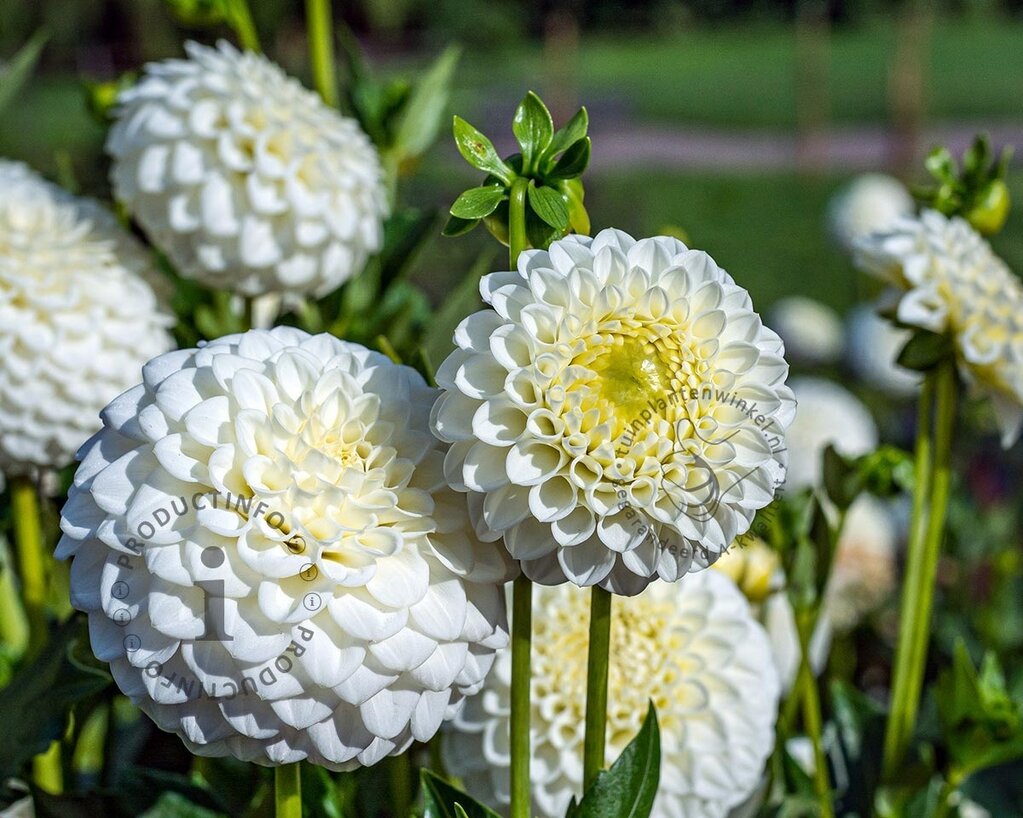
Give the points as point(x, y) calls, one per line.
point(246, 180)
point(812, 331)
point(827, 414)
point(618, 415)
point(952, 281)
point(270, 557)
point(694, 650)
point(872, 348)
point(870, 202)
point(78, 318)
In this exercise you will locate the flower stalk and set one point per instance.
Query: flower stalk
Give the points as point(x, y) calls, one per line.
point(288, 791)
point(933, 476)
point(244, 27)
point(597, 662)
point(809, 696)
point(521, 647)
point(32, 559)
point(320, 23)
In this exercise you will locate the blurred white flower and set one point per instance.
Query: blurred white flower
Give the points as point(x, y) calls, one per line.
point(872, 347)
point(826, 414)
point(954, 282)
point(863, 572)
point(244, 178)
point(618, 415)
point(23, 807)
point(271, 559)
point(812, 331)
point(862, 579)
point(78, 318)
point(694, 650)
point(870, 202)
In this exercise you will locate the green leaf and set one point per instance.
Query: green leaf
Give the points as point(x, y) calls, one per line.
point(534, 129)
point(175, 805)
point(573, 161)
point(458, 227)
point(441, 800)
point(479, 151)
point(579, 219)
point(15, 73)
point(573, 130)
point(925, 350)
point(627, 790)
point(34, 707)
point(420, 119)
point(477, 202)
point(941, 165)
point(437, 342)
point(842, 480)
point(550, 206)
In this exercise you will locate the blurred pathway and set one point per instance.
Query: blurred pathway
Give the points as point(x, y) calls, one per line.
point(840, 149)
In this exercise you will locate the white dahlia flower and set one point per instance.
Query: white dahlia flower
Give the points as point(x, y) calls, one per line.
point(246, 180)
point(953, 282)
point(270, 557)
point(827, 414)
point(870, 202)
point(812, 331)
point(78, 318)
point(618, 415)
point(873, 346)
point(694, 650)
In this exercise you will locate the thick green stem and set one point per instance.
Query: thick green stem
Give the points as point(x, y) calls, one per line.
point(14, 631)
point(241, 22)
point(320, 25)
point(33, 561)
point(522, 631)
point(930, 502)
point(401, 784)
point(812, 721)
point(517, 238)
point(596, 684)
point(288, 791)
point(522, 588)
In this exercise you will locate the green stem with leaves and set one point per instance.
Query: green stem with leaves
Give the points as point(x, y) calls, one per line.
point(933, 479)
point(240, 19)
point(320, 24)
point(596, 684)
point(288, 791)
point(522, 588)
point(33, 561)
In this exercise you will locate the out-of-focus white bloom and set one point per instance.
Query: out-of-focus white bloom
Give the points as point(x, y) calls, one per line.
point(863, 573)
point(271, 559)
point(862, 579)
point(826, 414)
point(618, 415)
point(78, 318)
point(872, 347)
point(953, 282)
point(244, 178)
point(812, 331)
point(870, 202)
point(694, 650)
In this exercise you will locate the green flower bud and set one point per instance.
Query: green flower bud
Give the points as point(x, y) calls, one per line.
point(990, 208)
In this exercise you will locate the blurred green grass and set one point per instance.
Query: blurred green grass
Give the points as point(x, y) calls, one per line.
point(746, 76)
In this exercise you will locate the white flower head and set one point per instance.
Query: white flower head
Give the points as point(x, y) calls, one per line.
point(694, 650)
point(618, 415)
point(827, 414)
point(812, 331)
point(270, 558)
point(952, 281)
point(870, 202)
point(246, 180)
point(78, 318)
point(873, 346)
